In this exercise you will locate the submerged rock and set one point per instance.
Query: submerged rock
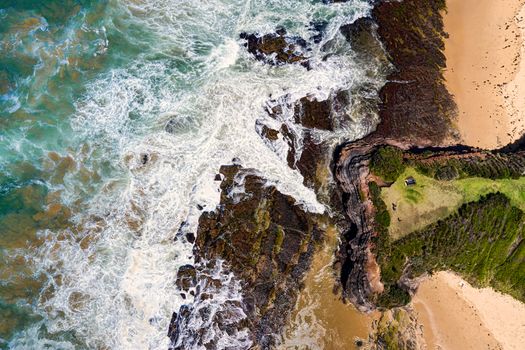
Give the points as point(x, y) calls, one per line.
point(362, 36)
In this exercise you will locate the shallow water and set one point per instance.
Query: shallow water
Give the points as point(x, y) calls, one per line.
point(320, 319)
point(92, 187)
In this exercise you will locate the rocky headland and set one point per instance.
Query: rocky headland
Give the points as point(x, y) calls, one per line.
point(265, 240)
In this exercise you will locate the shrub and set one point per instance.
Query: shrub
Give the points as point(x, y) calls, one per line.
point(387, 162)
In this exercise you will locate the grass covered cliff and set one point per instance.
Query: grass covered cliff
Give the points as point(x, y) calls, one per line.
point(481, 237)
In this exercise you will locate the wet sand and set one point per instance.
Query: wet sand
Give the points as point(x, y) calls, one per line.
point(456, 315)
point(320, 319)
point(485, 72)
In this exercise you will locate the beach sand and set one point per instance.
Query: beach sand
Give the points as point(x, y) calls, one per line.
point(456, 315)
point(485, 72)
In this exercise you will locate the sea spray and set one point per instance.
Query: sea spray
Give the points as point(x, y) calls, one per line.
point(109, 275)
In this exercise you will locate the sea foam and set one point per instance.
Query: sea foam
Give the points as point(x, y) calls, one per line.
point(119, 290)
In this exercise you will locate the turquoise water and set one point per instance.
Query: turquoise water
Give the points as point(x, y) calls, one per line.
point(86, 87)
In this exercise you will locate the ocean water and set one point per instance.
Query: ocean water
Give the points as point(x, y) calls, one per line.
point(93, 189)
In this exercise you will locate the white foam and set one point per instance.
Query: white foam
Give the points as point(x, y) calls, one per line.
point(126, 275)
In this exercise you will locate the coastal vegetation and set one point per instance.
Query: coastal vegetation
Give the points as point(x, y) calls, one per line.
point(464, 213)
point(387, 162)
point(487, 165)
point(414, 207)
point(482, 241)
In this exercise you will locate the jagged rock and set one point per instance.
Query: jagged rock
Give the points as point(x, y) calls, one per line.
point(186, 277)
point(266, 240)
point(270, 134)
point(318, 28)
point(277, 48)
point(361, 36)
point(311, 113)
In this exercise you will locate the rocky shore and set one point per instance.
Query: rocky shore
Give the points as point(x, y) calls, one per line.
point(265, 241)
point(416, 110)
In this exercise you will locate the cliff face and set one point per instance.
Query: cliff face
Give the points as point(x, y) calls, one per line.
point(415, 110)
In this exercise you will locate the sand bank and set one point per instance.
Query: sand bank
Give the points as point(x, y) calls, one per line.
point(456, 315)
point(485, 72)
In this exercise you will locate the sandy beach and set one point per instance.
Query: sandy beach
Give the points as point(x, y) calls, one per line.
point(485, 72)
point(456, 315)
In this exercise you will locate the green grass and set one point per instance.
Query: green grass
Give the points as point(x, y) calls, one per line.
point(482, 241)
point(431, 200)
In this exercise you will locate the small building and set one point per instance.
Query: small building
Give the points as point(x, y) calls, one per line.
point(410, 181)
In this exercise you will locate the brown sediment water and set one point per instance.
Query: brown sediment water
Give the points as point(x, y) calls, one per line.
point(320, 319)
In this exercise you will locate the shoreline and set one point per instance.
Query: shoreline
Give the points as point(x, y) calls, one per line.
point(320, 319)
point(456, 315)
point(485, 70)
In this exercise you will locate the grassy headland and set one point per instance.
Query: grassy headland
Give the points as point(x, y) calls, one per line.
point(471, 223)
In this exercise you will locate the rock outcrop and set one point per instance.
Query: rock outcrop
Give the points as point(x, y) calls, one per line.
point(265, 240)
point(415, 110)
point(416, 106)
point(277, 48)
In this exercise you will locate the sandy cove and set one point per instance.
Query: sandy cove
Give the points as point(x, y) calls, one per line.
point(456, 315)
point(485, 69)
point(485, 73)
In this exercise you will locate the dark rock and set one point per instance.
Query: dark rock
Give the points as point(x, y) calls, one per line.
point(276, 48)
point(190, 237)
point(186, 277)
point(416, 106)
point(144, 158)
point(318, 28)
point(361, 35)
point(270, 134)
point(312, 113)
point(172, 328)
point(267, 241)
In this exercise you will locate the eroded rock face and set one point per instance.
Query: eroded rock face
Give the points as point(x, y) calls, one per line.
point(277, 48)
point(415, 110)
point(353, 256)
point(265, 241)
